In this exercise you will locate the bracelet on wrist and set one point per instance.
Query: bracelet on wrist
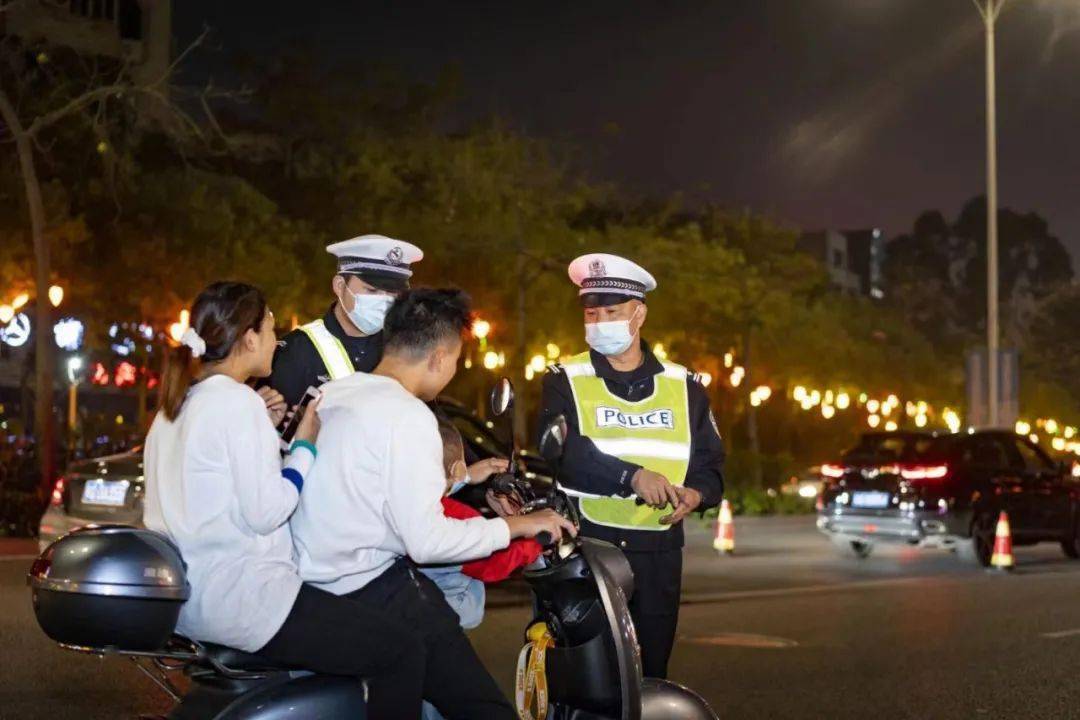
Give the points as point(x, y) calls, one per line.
point(303, 444)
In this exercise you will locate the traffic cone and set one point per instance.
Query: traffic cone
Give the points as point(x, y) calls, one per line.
point(724, 541)
point(1002, 559)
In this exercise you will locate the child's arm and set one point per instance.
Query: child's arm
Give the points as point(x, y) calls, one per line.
point(503, 563)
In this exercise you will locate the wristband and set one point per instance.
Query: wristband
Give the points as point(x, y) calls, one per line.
point(304, 444)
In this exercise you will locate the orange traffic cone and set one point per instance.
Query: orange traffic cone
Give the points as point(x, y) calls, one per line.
point(724, 541)
point(1002, 559)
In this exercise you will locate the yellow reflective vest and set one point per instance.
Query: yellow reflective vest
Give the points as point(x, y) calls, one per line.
point(653, 433)
point(333, 354)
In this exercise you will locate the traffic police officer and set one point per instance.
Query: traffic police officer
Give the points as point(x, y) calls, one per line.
point(637, 426)
point(371, 271)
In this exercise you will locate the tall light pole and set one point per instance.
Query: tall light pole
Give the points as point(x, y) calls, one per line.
point(989, 10)
point(75, 372)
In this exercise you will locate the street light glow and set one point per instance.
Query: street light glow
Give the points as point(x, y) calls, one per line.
point(56, 295)
point(20, 300)
point(480, 328)
point(176, 330)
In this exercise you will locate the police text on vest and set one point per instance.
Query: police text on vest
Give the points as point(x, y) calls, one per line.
point(654, 419)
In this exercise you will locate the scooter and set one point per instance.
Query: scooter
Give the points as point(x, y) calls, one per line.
point(116, 591)
point(589, 661)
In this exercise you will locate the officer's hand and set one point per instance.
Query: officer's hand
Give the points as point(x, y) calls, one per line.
point(689, 500)
point(309, 426)
point(275, 403)
point(483, 469)
point(540, 521)
point(654, 489)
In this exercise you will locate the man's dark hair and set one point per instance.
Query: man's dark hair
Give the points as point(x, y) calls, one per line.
point(422, 319)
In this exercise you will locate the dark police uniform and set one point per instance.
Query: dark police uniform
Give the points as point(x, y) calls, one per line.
point(298, 364)
point(321, 350)
point(670, 428)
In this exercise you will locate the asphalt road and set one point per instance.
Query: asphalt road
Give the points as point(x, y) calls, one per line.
point(785, 628)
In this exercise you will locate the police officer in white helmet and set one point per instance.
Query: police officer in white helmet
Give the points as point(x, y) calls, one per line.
point(642, 451)
point(371, 271)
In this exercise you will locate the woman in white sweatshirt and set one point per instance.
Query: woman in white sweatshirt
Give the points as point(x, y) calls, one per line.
point(215, 484)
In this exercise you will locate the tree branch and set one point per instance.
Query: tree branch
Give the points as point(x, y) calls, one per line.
point(115, 89)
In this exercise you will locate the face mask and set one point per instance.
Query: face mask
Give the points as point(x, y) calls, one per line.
point(369, 311)
point(459, 484)
point(610, 338)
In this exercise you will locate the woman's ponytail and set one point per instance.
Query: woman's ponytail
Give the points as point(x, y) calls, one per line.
point(181, 369)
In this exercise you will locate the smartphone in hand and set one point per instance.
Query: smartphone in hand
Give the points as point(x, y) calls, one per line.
point(288, 428)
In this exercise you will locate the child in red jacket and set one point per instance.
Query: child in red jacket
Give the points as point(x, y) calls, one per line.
point(463, 585)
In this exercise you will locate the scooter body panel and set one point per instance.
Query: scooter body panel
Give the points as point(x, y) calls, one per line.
point(278, 696)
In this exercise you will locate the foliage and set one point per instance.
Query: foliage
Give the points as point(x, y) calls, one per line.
point(318, 156)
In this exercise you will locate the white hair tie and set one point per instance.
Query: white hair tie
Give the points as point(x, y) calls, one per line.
point(193, 341)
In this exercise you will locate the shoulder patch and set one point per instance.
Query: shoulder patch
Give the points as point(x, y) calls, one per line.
point(554, 368)
point(695, 376)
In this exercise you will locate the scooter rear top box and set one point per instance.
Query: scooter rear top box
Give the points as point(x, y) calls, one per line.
point(109, 587)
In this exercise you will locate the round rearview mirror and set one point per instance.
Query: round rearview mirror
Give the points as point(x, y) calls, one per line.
point(502, 396)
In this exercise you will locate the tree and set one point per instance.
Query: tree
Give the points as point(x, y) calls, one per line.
point(936, 275)
point(48, 95)
point(1050, 352)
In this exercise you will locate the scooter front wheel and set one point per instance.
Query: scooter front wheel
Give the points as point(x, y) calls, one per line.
point(665, 700)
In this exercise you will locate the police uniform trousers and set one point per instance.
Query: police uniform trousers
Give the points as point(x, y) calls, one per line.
point(654, 606)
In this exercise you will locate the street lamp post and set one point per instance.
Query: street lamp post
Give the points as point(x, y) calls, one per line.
point(989, 10)
point(74, 371)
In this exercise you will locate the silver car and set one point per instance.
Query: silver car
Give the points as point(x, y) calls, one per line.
point(100, 491)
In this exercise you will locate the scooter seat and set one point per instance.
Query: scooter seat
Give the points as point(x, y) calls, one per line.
point(235, 659)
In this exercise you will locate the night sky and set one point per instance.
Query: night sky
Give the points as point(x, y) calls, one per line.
point(825, 113)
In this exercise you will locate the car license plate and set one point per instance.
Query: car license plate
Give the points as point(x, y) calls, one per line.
point(105, 492)
point(870, 499)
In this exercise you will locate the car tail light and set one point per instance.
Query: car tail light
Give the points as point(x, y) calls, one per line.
point(924, 472)
point(58, 493)
point(833, 471)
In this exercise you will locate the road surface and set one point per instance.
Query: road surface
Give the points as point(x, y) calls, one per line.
point(785, 628)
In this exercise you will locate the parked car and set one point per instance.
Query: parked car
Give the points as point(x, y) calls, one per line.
point(947, 491)
point(110, 489)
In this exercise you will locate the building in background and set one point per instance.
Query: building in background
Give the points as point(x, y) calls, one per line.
point(853, 258)
point(136, 32)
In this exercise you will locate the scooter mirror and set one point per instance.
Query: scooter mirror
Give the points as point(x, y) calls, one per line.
point(502, 397)
point(553, 440)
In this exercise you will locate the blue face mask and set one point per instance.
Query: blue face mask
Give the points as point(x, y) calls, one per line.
point(369, 311)
point(459, 484)
point(612, 337)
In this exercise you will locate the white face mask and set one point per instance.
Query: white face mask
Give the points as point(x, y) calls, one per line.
point(369, 311)
point(612, 337)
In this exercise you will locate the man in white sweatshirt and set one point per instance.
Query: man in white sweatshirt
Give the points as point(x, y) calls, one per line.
point(371, 506)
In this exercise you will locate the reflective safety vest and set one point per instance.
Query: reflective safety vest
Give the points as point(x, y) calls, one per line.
point(653, 433)
point(333, 353)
